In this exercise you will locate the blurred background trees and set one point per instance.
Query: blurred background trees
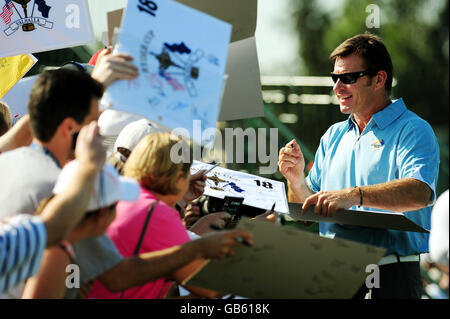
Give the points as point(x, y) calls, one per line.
point(417, 37)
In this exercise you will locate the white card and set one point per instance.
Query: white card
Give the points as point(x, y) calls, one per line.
point(181, 55)
point(257, 191)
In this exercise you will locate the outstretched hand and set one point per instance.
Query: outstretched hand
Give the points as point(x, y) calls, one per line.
point(114, 66)
point(203, 225)
point(218, 245)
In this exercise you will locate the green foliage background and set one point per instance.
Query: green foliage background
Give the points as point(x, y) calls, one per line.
point(416, 35)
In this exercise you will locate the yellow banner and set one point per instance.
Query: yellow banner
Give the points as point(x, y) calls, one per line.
point(12, 69)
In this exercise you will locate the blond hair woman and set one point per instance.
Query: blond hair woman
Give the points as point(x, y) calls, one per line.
point(163, 183)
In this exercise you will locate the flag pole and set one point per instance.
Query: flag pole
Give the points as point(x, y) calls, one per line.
point(34, 4)
point(14, 6)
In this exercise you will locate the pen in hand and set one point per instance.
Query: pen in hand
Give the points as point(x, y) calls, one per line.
point(273, 208)
point(240, 240)
point(210, 169)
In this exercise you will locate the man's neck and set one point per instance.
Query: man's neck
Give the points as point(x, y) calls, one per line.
point(362, 119)
point(52, 146)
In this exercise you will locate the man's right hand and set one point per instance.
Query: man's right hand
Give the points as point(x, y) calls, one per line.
point(291, 162)
point(218, 245)
point(89, 150)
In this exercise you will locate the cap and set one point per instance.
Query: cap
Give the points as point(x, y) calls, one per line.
point(133, 133)
point(73, 65)
point(109, 186)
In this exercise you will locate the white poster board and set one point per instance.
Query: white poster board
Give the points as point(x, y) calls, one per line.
point(288, 263)
point(43, 25)
point(243, 94)
point(181, 54)
point(257, 191)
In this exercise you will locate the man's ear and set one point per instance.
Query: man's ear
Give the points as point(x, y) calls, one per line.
point(380, 79)
point(67, 127)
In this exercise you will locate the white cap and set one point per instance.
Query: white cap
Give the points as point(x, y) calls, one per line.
point(109, 187)
point(133, 133)
point(111, 122)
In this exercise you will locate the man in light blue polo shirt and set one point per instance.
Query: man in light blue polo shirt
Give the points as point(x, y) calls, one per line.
point(383, 158)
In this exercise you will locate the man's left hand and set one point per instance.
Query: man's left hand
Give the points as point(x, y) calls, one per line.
point(328, 203)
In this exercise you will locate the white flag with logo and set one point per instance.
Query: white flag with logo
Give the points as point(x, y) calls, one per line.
point(30, 26)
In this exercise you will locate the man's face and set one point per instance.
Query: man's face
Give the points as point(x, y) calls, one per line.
point(357, 97)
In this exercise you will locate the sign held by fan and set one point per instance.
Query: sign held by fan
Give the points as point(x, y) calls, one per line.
point(181, 69)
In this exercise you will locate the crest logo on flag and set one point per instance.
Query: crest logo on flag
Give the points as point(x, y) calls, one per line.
point(26, 19)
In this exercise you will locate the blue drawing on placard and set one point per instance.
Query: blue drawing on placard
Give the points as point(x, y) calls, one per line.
point(234, 187)
point(180, 48)
point(202, 117)
point(177, 106)
point(213, 60)
point(154, 101)
point(178, 62)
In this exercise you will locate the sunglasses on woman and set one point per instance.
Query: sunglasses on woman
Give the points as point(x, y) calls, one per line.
point(349, 78)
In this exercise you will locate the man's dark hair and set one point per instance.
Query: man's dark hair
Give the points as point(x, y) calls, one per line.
point(57, 95)
point(374, 53)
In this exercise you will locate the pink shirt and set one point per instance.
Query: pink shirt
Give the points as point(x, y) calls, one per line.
point(165, 229)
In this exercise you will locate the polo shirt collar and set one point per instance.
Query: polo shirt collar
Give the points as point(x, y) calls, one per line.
point(384, 117)
point(388, 115)
point(350, 123)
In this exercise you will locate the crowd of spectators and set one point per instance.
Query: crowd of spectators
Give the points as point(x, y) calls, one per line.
point(63, 205)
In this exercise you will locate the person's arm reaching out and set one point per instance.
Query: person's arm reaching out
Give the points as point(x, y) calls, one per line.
point(150, 266)
point(17, 136)
point(65, 210)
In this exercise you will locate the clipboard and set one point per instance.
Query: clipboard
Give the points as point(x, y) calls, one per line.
point(364, 218)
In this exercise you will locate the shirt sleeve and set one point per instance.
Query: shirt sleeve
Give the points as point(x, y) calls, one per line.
point(418, 155)
point(23, 239)
point(313, 179)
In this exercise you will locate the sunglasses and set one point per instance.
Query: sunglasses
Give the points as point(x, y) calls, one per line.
point(349, 78)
